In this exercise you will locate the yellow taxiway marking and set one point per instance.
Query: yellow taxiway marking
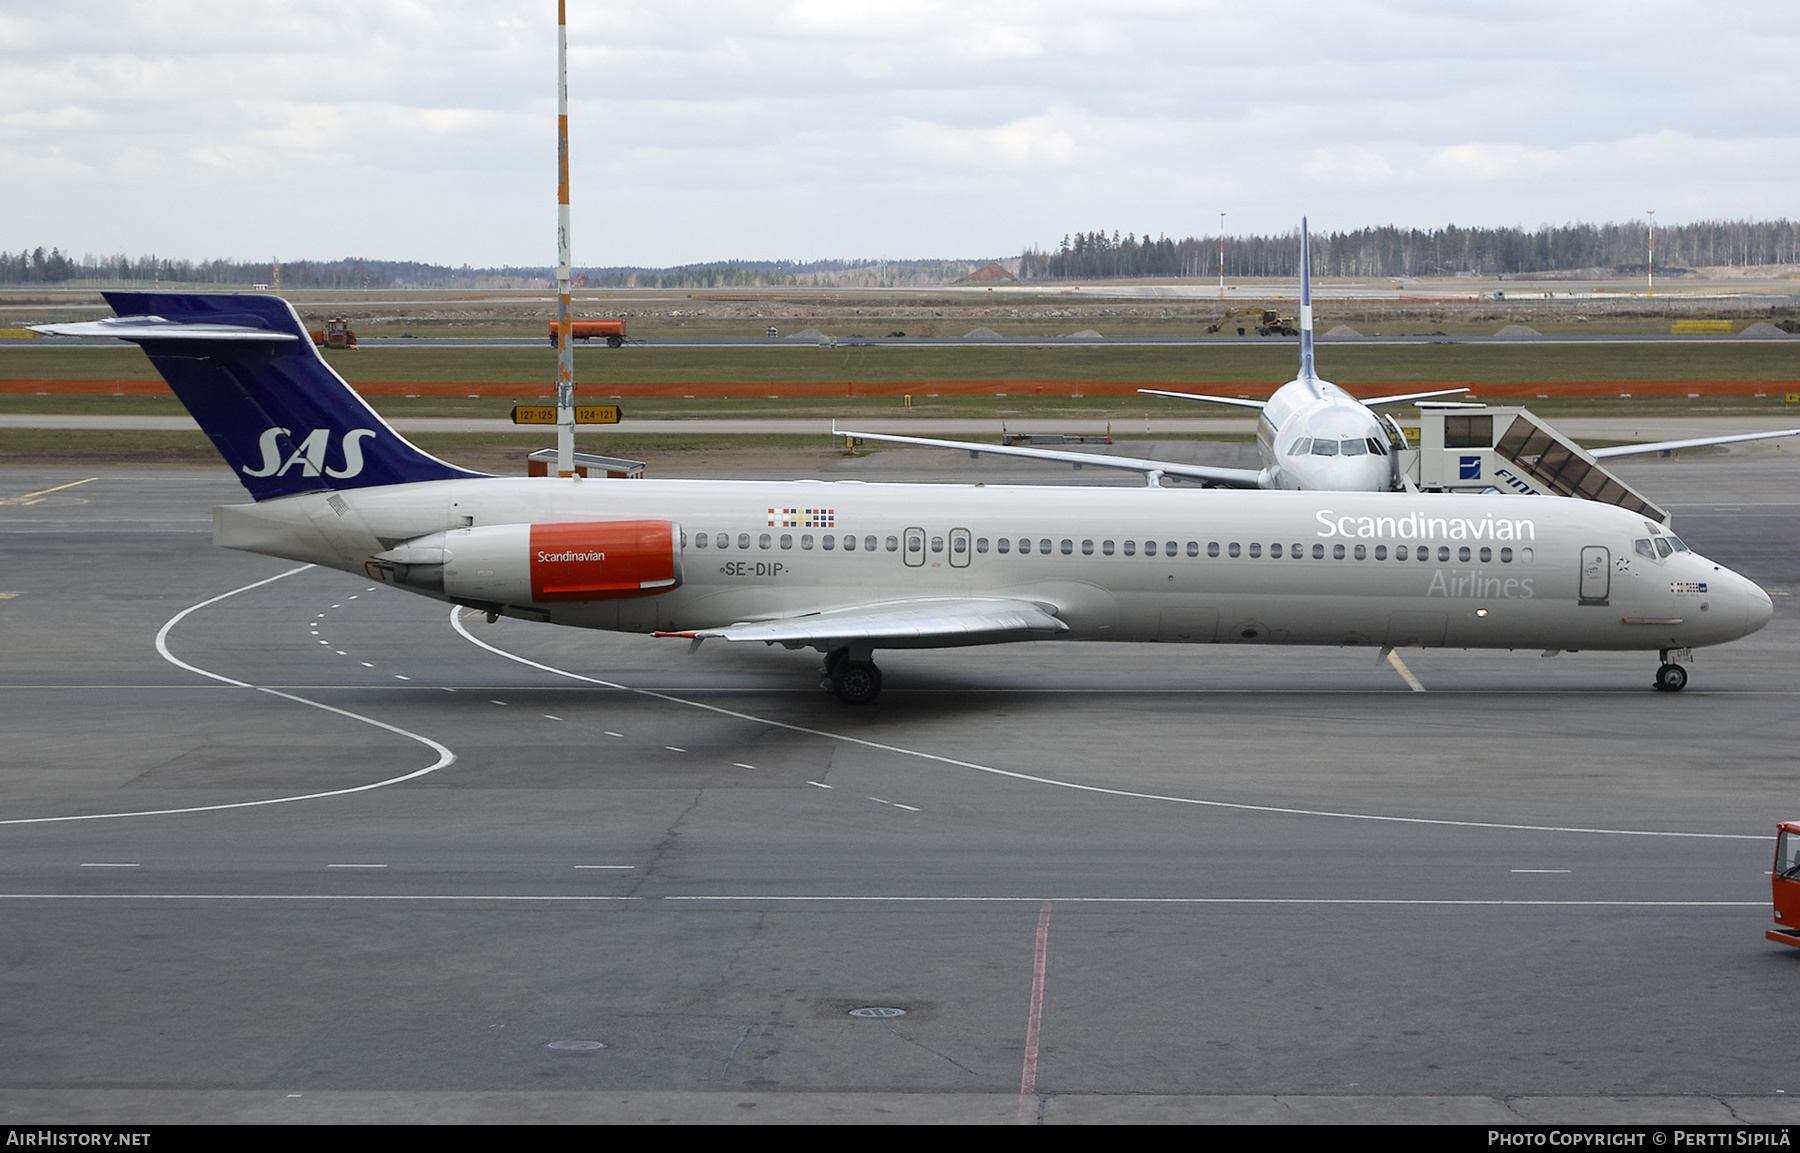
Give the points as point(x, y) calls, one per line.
point(1405, 673)
point(33, 497)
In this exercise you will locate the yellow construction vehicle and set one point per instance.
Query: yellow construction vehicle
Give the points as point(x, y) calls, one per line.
point(1266, 321)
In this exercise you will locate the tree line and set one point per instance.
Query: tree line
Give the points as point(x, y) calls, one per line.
point(1391, 251)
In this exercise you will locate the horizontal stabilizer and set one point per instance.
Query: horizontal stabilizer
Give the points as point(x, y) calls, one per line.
point(161, 328)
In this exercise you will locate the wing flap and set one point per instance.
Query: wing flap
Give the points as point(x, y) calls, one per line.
point(929, 623)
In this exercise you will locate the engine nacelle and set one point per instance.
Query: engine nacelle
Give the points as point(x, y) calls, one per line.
point(542, 563)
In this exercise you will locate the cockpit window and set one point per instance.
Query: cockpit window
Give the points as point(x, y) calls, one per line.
point(1355, 447)
point(1324, 448)
point(1376, 448)
point(1676, 541)
point(1662, 547)
point(1643, 549)
point(1301, 446)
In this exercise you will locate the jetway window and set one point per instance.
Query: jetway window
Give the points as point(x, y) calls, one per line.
point(1468, 431)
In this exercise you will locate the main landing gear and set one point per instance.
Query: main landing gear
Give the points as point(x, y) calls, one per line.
point(1671, 677)
point(856, 682)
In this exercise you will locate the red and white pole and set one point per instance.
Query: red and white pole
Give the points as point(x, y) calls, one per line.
point(565, 344)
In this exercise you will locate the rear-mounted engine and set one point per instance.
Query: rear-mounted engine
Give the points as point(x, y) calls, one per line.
point(540, 563)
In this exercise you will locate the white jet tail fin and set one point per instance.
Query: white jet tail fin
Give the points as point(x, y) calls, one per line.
point(1307, 371)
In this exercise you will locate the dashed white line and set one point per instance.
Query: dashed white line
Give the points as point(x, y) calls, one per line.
point(606, 866)
point(1406, 674)
point(356, 866)
point(818, 784)
point(110, 865)
point(1076, 786)
point(551, 717)
point(367, 665)
point(1540, 870)
point(610, 733)
point(741, 765)
point(674, 749)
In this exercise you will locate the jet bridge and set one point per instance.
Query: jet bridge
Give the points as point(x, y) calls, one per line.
point(1474, 447)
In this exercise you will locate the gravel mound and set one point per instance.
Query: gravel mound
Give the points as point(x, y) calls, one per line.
point(1518, 330)
point(1341, 331)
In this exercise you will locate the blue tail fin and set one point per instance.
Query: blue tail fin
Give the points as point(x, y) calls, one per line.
point(248, 372)
point(1307, 371)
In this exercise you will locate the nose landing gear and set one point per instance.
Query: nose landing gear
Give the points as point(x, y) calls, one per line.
point(1671, 677)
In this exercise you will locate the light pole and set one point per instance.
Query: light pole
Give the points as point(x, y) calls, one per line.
point(1221, 256)
point(1650, 260)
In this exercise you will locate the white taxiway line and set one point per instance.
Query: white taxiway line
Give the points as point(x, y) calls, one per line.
point(445, 756)
point(456, 623)
point(1406, 675)
point(827, 898)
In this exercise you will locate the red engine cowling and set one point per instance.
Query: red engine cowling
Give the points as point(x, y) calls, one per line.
point(598, 560)
point(542, 563)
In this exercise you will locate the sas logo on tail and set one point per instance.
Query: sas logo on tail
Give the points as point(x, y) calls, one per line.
point(309, 455)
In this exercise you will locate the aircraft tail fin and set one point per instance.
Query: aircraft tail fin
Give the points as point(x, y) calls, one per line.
point(247, 371)
point(1307, 371)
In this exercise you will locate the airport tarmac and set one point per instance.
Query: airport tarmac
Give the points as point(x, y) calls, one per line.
point(277, 845)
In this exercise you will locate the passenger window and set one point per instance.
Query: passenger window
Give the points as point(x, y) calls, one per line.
point(700, 540)
point(914, 544)
point(959, 545)
point(724, 540)
point(893, 544)
point(1106, 547)
point(981, 544)
point(1193, 548)
point(1004, 544)
point(1255, 550)
point(1380, 552)
point(1443, 552)
point(1087, 548)
point(1068, 547)
point(1525, 556)
point(1233, 550)
point(1044, 547)
point(1212, 548)
point(1275, 551)
point(1399, 552)
point(1319, 551)
point(1149, 548)
point(1362, 552)
point(763, 540)
point(1130, 548)
point(1337, 552)
point(744, 540)
point(787, 540)
point(1505, 556)
point(828, 541)
point(806, 541)
point(937, 544)
point(1169, 548)
point(1487, 554)
point(849, 543)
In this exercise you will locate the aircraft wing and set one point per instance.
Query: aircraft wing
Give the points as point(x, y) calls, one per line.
point(1208, 474)
point(1400, 398)
point(935, 622)
point(1671, 445)
point(1234, 401)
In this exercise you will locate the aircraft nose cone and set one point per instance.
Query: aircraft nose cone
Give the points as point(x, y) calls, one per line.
point(1758, 608)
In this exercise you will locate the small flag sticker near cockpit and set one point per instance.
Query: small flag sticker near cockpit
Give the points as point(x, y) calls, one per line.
point(803, 517)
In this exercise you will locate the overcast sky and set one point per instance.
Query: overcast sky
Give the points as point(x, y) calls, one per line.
point(404, 129)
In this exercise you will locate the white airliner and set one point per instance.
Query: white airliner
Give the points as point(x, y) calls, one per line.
point(847, 568)
point(1311, 435)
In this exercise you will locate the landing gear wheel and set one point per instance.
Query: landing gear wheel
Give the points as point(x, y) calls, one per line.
point(1671, 679)
point(855, 682)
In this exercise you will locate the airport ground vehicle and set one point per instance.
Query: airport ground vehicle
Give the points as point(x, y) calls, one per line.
point(1785, 880)
point(336, 334)
point(612, 330)
point(1266, 321)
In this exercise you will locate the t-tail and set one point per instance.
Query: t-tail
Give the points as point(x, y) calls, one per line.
point(1307, 371)
point(249, 374)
